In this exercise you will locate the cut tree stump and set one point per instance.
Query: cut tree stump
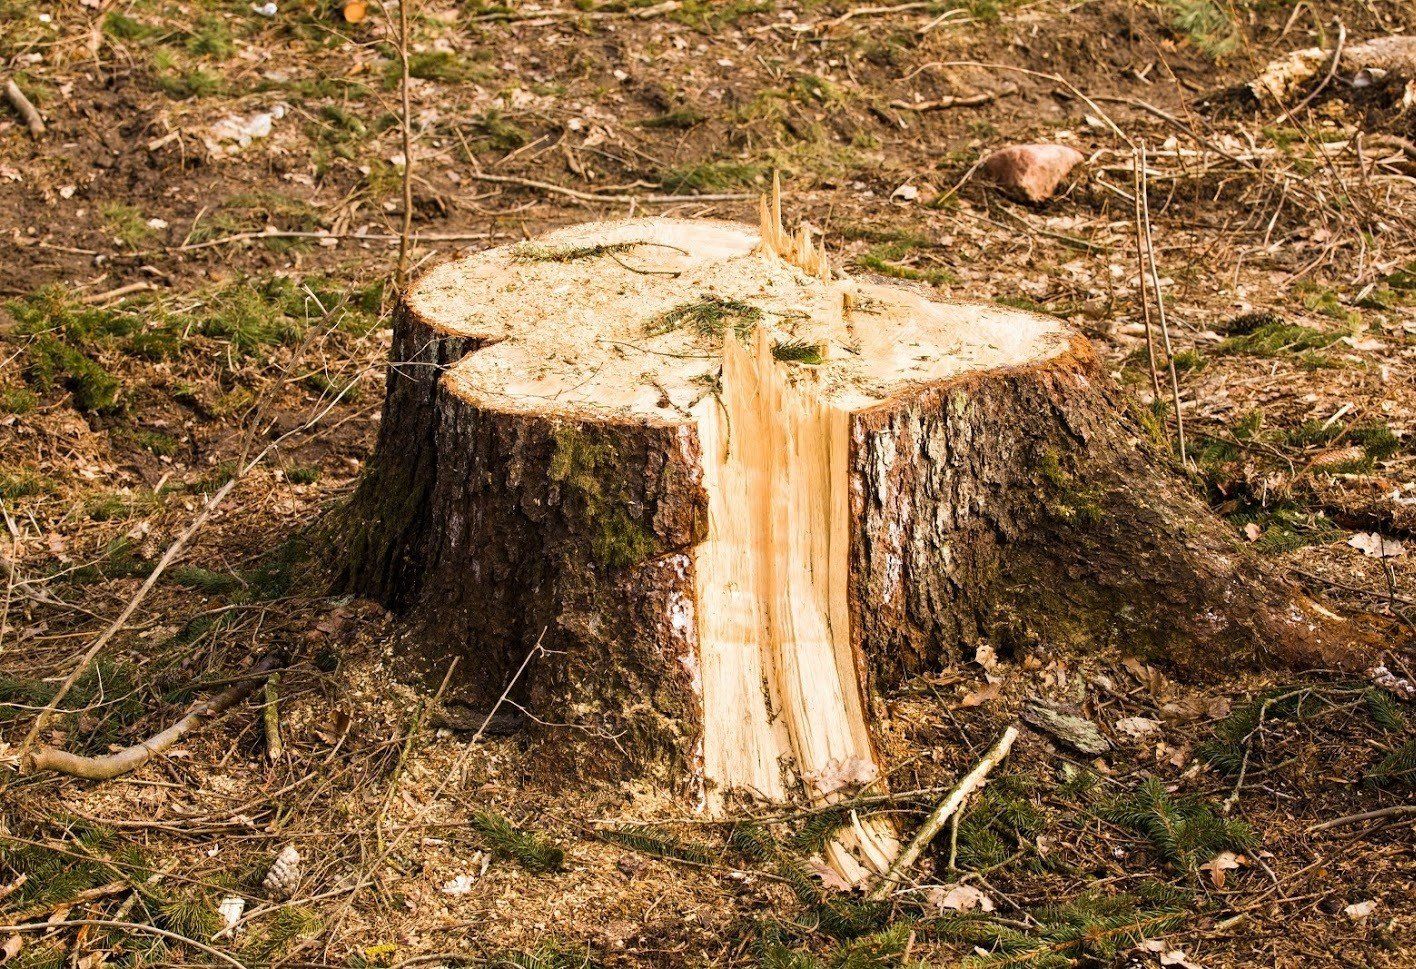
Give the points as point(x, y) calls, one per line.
point(737, 497)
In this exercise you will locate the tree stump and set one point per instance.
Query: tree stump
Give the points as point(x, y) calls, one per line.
point(695, 503)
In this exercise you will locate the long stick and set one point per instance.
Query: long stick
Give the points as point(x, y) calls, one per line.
point(407, 126)
point(1395, 811)
point(131, 758)
point(167, 557)
point(1141, 273)
point(1160, 304)
point(130, 926)
point(42, 720)
point(940, 816)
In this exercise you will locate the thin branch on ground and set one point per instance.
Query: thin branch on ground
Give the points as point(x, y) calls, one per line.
point(940, 816)
point(131, 758)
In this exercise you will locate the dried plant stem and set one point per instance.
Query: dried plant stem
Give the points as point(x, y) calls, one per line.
point(406, 124)
point(1141, 275)
point(50, 926)
point(940, 816)
point(1149, 256)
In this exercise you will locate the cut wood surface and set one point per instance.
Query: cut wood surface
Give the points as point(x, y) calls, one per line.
point(744, 496)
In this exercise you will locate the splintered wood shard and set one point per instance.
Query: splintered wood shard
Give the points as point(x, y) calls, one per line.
point(736, 500)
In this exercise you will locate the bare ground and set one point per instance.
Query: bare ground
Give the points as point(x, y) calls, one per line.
point(257, 312)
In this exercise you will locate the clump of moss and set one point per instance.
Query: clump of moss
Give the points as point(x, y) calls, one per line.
point(1274, 336)
point(498, 132)
point(585, 466)
point(711, 177)
point(890, 259)
point(1068, 499)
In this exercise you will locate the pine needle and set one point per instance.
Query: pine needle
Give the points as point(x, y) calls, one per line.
point(531, 850)
point(650, 842)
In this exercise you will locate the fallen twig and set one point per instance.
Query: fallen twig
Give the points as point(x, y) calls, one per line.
point(940, 816)
point(95, 299)
point(131, 927)
point(131, 758)
point(1138, 188)
point(270, 718)
point(1388, 812)
point(956, 101)
point(597, 197)
point(24, 108)
point(1144, 200)
point(41, 721)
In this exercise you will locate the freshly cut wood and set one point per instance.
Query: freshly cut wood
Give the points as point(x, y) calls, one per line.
point(737, 497)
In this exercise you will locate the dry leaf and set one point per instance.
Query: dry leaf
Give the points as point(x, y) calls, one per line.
point(984, 694)
point(1221, 863)
point(1375, 546)
point(1137, 726)
point(830, 877)
point(11, 947)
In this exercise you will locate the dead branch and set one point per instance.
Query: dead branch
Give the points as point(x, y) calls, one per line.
point(131, 758)
point(270, 718)
point(406, 126)
point(24, 108)
point(1395, 811)
point(941, 815)
point(598, 197)
point(1160, 300)
point(1141, 273)
point(107, 635)
point(131, 927)
point(957, 101)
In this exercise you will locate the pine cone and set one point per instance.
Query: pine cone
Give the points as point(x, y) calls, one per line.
point(284, 875)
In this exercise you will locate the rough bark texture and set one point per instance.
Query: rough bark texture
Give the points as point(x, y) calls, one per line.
point(498, 533)
point(1016, 506)
point(1023, 508)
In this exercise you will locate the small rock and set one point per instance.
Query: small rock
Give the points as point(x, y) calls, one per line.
point(1031, 172)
